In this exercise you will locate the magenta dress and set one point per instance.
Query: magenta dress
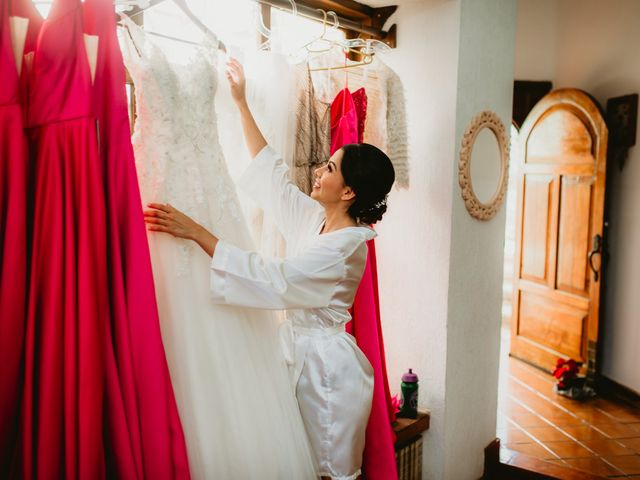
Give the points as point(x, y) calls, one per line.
point(348, 112)
point(13, 243)
point(97, 399)
point(68, 306)
point(142, 415)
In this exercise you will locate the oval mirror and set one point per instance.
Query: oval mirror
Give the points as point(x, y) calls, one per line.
point(483, 166)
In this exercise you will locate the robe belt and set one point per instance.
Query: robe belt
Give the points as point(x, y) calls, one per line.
point(295, 342)
point(318, 331)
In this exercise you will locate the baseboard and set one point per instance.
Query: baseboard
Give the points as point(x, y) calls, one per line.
point(611, 389)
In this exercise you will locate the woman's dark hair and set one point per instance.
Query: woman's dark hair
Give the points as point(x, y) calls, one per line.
point(369, 173)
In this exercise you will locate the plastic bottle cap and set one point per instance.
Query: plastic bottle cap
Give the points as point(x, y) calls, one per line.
point(410, 377)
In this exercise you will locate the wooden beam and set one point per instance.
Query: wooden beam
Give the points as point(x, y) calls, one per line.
point(352, 16)
point(344, 8)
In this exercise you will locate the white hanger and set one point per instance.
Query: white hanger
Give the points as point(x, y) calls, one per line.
point(129, 5)
point(264, 31)
point(182, 5)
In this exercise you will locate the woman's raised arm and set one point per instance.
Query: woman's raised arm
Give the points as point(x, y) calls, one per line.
point(237, 83)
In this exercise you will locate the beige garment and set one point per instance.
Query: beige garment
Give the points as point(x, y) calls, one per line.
point(386, 122)
point(313, 132)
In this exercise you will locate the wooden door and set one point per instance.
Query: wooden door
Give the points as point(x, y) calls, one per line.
point(560, 163)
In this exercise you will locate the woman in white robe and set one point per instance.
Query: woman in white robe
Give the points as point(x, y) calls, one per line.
point(316, 282)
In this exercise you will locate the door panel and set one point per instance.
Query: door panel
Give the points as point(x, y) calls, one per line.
point(560, 161)
point(573, 235)
point(562, 135)
point(535, 245)
point(558, 326)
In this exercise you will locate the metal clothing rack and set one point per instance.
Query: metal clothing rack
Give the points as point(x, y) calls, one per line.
point(357, 19)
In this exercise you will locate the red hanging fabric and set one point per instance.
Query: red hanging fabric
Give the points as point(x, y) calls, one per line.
point(344, 120)
point(97, 397)
point(146, 437)
point(13, 244)
point(142, 415)
point(348, 113)
point(62, 408)
point(360, 103)
point(379, 453)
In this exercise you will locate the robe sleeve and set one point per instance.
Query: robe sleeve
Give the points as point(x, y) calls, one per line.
point(267, 182)
point(246, 279)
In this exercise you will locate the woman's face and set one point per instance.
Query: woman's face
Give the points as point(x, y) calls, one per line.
point(328, 185)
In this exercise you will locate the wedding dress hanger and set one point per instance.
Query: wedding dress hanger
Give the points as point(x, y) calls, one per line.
point(322, 39)
point(182, 5)
point(266, 32)
point(347, 46)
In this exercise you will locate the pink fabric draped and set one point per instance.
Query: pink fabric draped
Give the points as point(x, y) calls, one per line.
point(13, 245)
point(344, 120)
point(97, 397)
point(379, 454)
point(62, 408)
point(360, 103)
point(142, 415)
point(347, 123)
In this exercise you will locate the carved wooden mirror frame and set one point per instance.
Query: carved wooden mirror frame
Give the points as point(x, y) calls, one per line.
point(478, 209)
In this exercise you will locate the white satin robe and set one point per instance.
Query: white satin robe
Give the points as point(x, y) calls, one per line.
point(316, 284)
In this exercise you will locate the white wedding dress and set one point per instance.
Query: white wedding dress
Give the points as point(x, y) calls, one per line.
point(237, 408)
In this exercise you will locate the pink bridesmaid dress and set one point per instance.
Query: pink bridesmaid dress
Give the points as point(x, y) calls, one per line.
point(348, 112)
point(13, 244)
point(140, 398)
point(68, 308)
point(97, 399)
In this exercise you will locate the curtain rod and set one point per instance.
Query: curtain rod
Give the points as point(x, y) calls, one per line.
point(314, 14)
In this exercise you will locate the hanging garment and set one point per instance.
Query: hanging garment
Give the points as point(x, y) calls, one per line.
point(62, 409)
point(316, 283)
point(77, 420)
point(231, 381)
point(13, 244)
point(313, 133)
point(379, 455)
point(270, 80)
point(360, 103)
point(347, 116)
point(142, 420)
point(344, 120)
point(386, 121)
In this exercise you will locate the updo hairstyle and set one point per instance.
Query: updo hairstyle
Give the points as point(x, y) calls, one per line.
point(370, 174)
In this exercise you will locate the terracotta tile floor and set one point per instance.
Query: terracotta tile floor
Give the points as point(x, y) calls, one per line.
point(600, 436)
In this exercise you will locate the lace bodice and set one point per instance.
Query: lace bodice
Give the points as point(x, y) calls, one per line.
point(178, 155)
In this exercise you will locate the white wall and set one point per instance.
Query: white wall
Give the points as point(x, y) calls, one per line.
point(413, 242)
point(596, 50)
point(440, 270)
point(485, 82)
point(537, 20)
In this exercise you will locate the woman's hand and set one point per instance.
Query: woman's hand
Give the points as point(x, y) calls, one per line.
point(237, 81)
point(164, 218)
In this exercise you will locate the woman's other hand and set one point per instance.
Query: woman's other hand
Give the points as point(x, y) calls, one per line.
point(162, 217)
point(237, 81)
